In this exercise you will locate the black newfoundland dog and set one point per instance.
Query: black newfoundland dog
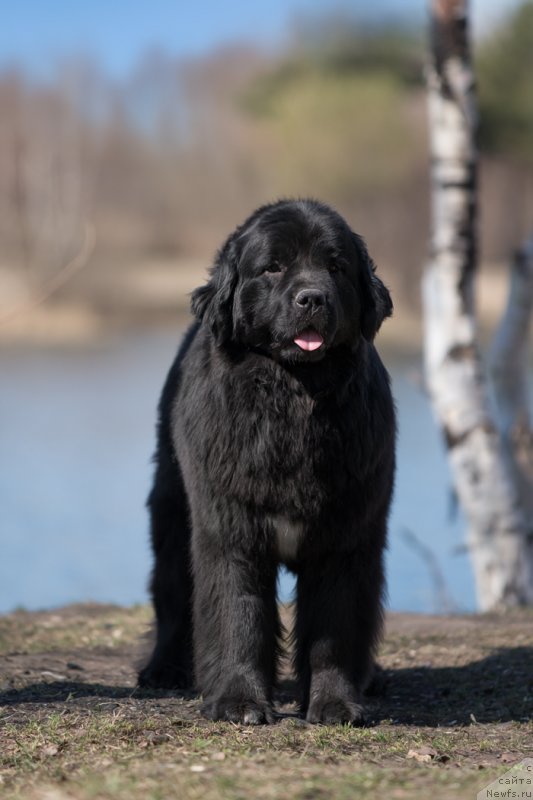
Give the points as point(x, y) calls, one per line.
point(276, 443)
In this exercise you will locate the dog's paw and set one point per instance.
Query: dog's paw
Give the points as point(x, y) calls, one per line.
point(331, 710)
point(237, 709)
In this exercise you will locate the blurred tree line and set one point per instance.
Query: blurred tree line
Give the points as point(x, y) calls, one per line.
point(165, 163)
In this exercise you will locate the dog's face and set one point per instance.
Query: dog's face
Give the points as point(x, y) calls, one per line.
point(294, 282)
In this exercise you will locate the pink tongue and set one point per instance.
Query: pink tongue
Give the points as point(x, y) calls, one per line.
point(309, 340)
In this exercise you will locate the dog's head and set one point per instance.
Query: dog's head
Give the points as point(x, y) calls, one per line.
point(294, 282)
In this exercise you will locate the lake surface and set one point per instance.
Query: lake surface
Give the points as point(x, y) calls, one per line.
point(76, 437)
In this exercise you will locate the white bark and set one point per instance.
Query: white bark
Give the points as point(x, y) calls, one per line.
point(497, 534)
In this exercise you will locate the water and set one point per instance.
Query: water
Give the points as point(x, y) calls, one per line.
point(77, 433)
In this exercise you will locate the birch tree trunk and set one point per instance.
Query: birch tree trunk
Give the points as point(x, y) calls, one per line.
point(510, 350)
point(509, 360)
point(498, 534)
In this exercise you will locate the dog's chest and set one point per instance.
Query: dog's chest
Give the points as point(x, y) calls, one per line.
point(287, 536)
point(272, 446)
point(288, 456)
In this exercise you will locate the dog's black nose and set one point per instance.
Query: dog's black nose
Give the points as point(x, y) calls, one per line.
point(310, 299)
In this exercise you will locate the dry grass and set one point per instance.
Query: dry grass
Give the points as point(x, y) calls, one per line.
point(459, 696)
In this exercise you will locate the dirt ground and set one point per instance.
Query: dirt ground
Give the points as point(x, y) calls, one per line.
point(455, 713)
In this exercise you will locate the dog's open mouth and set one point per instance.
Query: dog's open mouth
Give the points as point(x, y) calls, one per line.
point(309, 340)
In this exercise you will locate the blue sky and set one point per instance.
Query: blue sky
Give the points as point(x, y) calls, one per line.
point(39, 33)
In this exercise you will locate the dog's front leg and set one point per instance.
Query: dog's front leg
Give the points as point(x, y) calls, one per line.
point(235, 626)
point(338, 623)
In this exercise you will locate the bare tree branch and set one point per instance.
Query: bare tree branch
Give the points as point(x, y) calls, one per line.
point(59, 279)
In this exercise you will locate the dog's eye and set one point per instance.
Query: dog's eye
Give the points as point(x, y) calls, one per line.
point(334, 267)
point(272, 268)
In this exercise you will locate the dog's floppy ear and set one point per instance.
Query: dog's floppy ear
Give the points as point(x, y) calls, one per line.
point(376, 301)
point(213, 302)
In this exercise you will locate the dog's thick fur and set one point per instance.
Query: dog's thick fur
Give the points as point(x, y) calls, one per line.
point(271, 451)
